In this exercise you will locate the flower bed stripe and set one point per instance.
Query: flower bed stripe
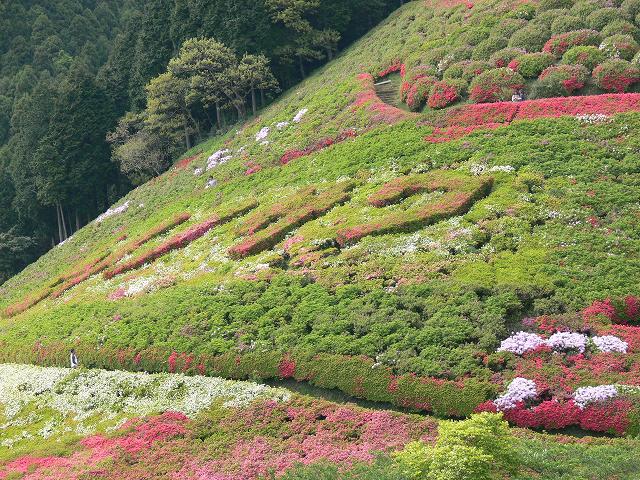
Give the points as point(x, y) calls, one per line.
point(268, 226)
point(183, 239)
point(359, 377)
point(461, 193)
point(462, 120)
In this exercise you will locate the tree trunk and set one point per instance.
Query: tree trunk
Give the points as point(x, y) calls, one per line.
point(253, 101)
point(64, 223)
point(218, 116)
point(329, 53)
point(77, 220)
point(59, 224)
point(187, 138)
point(301, 65)
point(262, 101)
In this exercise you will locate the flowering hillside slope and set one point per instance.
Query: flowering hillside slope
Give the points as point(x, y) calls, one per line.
point(338, 240)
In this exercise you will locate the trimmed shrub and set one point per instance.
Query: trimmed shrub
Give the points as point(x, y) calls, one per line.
point(418, 92)
point(545, 19)
point(466, 70)
point(587, 56)
point(584, 9)
point(488, 47)
point(532, 38)
point(599, 19)
point(502, 57)
point(636, 59)
point(559, 44)
point(620, 26)
point(474, 36)
point(508, 26)
point(616, 75)
point(495, 85)
point(566, 23)
point(444, 93)
point(560, 81)
point(630, 7)
point(531, 65)
point(525, 11)
point(545, 5)
point(420, 71)
point(620, 46)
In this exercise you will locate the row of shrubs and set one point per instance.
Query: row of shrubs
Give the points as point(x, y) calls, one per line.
point(356, 376)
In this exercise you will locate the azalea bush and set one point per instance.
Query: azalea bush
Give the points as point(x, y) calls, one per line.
point(495, 85)
point(587, 56)
point(531, 65)
point(559, 44)
point(620, 46)
point(560, 81)
point(616, 75)
point(446, 92)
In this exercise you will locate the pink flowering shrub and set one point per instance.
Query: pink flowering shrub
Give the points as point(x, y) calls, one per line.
point(561, 80)
point(495, 85)
point(559, 44)
point(290, 155)
point(445, 92)
point(616, 75)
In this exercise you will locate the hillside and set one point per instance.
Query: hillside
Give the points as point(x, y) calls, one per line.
point(447, 252)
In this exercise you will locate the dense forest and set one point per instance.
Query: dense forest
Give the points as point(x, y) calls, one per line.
point(77, 97)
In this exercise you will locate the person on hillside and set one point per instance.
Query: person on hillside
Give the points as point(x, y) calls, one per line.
point(518, 96)
point(73, 358)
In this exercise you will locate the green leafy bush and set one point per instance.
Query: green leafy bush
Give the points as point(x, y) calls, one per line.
point(559, 44)
point(587, 56)
point(583, 9)
point(531, 38)
point(531, 65)
point(559, 81)
point(502, 57)
point(545, 5)
point(566, 23)
point(598, 19)
point(488, 47)
point(467, 70)
point(621, 27)
point(495, 85)
point(616, 75)
point(620, 46)
point(508, 26)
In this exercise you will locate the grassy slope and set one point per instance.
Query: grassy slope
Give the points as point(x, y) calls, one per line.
point(431, 301)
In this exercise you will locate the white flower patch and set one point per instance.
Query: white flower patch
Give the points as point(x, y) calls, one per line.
point(502, 168)
point(299, 115)
point(212, 182)
point(519, 390)
point(567, 341)
point(584, 396)
point(610, 343)
point(592, 118)
point(282, 125)
point(198, 171)
point(262, 134)
point(218, 158)
point(83, 394)
point(521, 342)
point(113, 211)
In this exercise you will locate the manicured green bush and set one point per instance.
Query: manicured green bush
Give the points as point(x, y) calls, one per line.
point(488, 47)
point(620, 46)
point(502, 57)
point(616, 75)
point(630, 7)
point(531, 38)
point(524, 11)
point(495, 85)
point(531, 65)
point(507, 27)
point(559, 44)
point(474, 36)
point(582, 9)
point(566, 23)
point(545, 5)
point(621, 27)
point(467, 70)
point(598, 19)
point(587, 56)
point(560, 81)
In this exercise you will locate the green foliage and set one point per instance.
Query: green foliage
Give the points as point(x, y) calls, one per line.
point(620, 46)
point(531, 38)
point(480, 448)
point(566, 23)
point(586, 55)
point(531, 65)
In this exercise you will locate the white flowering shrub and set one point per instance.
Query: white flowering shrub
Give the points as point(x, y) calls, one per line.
point(262, 134)
point(584, 396)
point(113, 211)
point(610, 343)
point(299, 115)
point(519, 390)
point(218, 158)
point(282, 125)
point(593, 118)
point(562, 341)
point(79, 396)
point(521, 342)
